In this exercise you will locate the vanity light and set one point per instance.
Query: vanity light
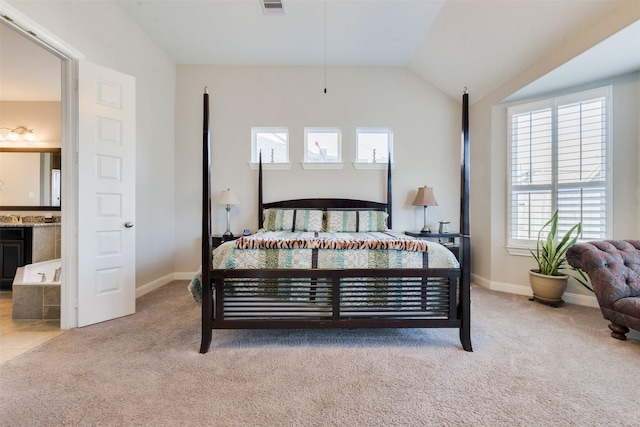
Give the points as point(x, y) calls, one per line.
point(20, 133)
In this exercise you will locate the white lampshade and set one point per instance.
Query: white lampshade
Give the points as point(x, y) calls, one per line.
point(228, 198)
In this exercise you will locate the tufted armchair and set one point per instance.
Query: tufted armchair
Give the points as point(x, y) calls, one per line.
point(613, 266)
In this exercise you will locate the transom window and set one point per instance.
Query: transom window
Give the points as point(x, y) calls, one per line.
point(373, 145)
point(272, 142)
point(322, 145)
point(559, 150)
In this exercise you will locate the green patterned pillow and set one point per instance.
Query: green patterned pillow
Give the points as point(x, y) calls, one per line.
point(372, 221)
point(340, 221)
point(278, 219)
point(355, 221)
point(283, 220)
point(308, 220)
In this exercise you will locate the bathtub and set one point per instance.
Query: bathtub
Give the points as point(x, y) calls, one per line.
point(36, 291)
point(39, 273)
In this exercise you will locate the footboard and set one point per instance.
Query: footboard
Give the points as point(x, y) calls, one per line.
point(325, 298)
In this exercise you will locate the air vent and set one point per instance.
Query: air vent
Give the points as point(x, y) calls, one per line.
point(272, 7)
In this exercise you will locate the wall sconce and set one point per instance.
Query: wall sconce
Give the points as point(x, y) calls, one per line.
point(20, 133)
point(425, 198)
point(228, 198)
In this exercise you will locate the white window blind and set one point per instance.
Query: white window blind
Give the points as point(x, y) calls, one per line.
point(558, 161)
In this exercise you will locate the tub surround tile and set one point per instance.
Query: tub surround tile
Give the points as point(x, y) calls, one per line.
point(44, 244)
point(51, 312)
point(51, 295)
point(27, 302)
point(36, 301)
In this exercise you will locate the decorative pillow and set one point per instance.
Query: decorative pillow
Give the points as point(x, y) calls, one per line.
point(355, 221)
point(308, 220)
point(341, 221)
point(372, 221)
point(278, 219)
point(284, 220)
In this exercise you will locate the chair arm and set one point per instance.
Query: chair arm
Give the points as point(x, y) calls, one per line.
point(613, 266)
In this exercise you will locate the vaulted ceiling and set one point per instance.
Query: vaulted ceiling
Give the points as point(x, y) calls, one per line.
point(450, 43)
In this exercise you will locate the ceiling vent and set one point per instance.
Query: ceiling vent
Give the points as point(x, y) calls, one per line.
point(272, 7)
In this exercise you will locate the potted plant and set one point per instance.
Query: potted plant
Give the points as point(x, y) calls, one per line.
point(549, 281)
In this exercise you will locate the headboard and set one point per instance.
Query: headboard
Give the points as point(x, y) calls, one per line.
point(324, 203)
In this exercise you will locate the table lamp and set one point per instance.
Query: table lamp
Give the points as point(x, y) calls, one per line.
point(425, 198)
point(228, 198)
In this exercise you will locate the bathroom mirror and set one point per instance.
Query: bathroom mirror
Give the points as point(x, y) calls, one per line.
point(30, 179)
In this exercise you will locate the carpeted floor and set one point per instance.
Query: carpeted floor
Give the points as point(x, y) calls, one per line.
point(532, 365)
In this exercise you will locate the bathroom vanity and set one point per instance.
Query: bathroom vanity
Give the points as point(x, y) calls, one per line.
point(16, 250)
point(26, 242)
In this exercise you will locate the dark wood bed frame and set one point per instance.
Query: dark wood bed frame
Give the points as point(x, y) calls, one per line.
point(444, 300)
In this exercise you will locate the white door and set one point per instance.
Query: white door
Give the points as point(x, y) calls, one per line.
point(106, 194)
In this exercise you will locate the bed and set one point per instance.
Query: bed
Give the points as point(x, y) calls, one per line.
point(331, 263)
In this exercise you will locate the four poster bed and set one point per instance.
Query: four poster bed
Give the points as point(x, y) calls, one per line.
point(332, 263)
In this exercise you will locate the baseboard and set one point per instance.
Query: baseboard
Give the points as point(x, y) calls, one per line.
point(183, 276)
point(158, 283)
point(152, 286)
point(510, 288)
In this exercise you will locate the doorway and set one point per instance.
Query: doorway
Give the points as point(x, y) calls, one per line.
point(30, 96)
point(98, 143)
point(31, 36)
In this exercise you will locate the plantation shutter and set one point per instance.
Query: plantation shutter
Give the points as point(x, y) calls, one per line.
point(559, 161)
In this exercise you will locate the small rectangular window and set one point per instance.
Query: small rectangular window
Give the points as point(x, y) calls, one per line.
point(322, 145)
point(272, 142)
point(373, 145)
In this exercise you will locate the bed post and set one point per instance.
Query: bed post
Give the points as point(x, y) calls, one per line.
point(207, 292)
point(260, 216)
point(464, 307)
point(389, 201)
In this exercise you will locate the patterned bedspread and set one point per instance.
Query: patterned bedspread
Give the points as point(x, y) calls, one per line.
point(283, 249)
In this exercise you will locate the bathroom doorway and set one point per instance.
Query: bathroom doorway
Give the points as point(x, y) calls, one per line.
point(31, 97)
point(89, 97)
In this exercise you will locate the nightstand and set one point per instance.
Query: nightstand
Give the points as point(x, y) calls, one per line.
point(218, 240)
point(448, 240)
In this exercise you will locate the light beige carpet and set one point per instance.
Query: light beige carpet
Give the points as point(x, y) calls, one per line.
point(532, 365)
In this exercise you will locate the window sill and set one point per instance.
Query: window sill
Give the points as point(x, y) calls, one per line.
point(519, 251)
point(276, 166)
point(372, 166)
point(322, 165)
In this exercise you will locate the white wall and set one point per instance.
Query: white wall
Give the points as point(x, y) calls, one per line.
point(492, 265)
point(425, 121)
point(106, 36)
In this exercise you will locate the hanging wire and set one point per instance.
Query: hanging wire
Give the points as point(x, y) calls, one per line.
point(325, 46)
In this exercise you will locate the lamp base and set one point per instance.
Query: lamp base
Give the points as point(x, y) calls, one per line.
point(425, 229)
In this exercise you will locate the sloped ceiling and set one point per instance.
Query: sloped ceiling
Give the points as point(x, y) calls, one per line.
point(450, 43)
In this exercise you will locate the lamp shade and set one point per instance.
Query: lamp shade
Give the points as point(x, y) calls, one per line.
point(425, 197)
point(228, 198)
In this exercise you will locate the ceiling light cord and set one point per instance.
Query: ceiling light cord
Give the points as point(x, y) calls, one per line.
point(325, 46)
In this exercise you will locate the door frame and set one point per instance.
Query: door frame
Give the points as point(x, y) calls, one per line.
point(69, 185)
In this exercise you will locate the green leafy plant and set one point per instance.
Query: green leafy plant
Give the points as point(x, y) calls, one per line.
point(550, 253)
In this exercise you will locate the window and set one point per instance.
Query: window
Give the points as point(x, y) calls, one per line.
point(272, 142)
point(373, 145)
point(322, 145)
point(558, 160)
